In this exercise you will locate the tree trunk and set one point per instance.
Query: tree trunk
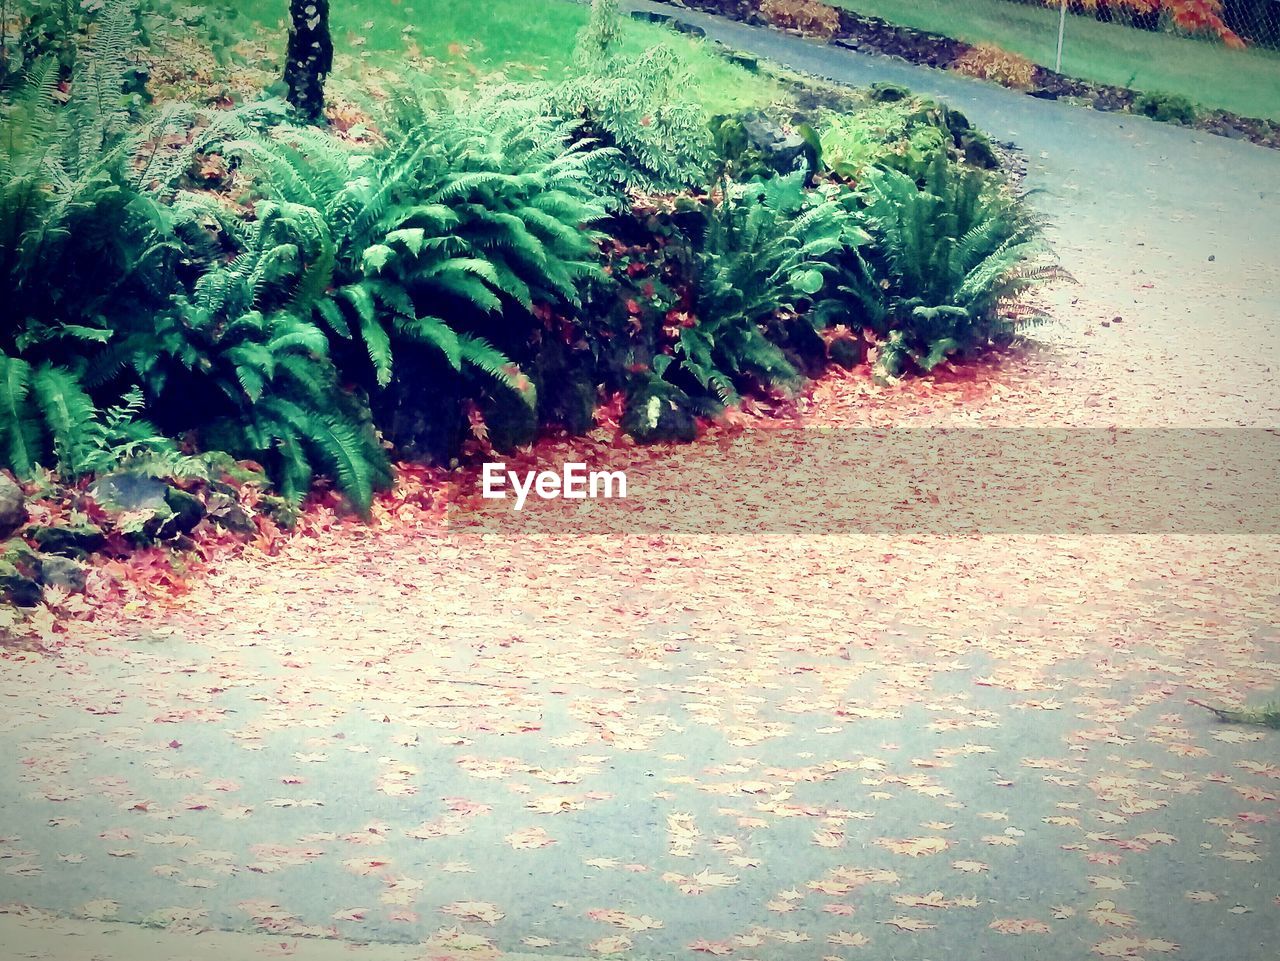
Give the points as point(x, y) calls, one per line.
point(309, 57)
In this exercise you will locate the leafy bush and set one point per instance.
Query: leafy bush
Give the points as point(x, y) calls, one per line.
point(1193, 16)
point(951, 254)
point(852, 142)
point(986, 61)
point(809, 17)
point(81, 241)
point(711, 298)
point(355, 261)
point(455, 274)
point(636, 105)
point(905, 134)
point(267, 336)
point(1166, 107)
point(767, 250)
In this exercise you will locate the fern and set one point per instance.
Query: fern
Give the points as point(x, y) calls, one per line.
point(768, 251)
point(47, 419)
point(955, 252)
point(476, 215)
point(660, 139)
point(19, 437)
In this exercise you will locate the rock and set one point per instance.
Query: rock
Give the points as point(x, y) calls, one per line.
point(68, 540)
point(888, 92)
point(172, 511)
point(225, 511)
point(19, 574)
point(188, 511)
point(18, 589)
point(978, 152)
point(658, 412)
point(130, 491)
point(782, 150)
point(956, 121)
point(650, 16)
point(62, 572)
point(13, 506)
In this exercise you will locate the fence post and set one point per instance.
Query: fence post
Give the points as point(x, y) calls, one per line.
point(1062, 26)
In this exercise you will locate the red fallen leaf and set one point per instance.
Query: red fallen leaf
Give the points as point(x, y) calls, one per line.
point(1019, 926)
point(711, 947)
point(175, 744)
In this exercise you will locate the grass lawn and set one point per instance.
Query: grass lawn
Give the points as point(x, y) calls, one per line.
point(520, 39)
point(1246, 82)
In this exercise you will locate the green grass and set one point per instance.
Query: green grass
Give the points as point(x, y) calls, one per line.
point(1246, 82)
point(515, 39)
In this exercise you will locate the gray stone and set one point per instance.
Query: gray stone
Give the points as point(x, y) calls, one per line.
point(16, 588)
point(784, 151)
point(62, 572)
point(226, 512)
point(848, 352)
point(19, 574)
point(68, 540)
point(173, 511)
point(129, 491)
point(658, 412)
point(188, 511)
point(13, 506)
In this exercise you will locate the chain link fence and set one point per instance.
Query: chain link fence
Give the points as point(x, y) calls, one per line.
point(1193, 61)
point(1236, 23)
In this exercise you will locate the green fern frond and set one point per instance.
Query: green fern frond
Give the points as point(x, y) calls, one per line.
point(19, 442)
point(358, 466)
point(483, 356)
point(69, 415)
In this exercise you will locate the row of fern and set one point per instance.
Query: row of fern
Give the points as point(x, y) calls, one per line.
point(329, 303)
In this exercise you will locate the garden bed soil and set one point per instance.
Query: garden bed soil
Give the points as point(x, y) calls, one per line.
point(873, 35)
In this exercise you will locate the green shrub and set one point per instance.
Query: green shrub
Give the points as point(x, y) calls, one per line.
point(637, 105)
point(904, 134)
point(851, 142)
point(446, 243)
point(1166, 107)
point(268, 336)
point(352, 299)
point(83, 244)
point(947, 256)
point(763, 260)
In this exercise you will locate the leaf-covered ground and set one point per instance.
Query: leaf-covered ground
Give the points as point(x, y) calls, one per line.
point(644, 738)
point(882, 745)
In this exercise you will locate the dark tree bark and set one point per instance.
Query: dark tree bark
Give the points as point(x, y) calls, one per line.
point(309, 57)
